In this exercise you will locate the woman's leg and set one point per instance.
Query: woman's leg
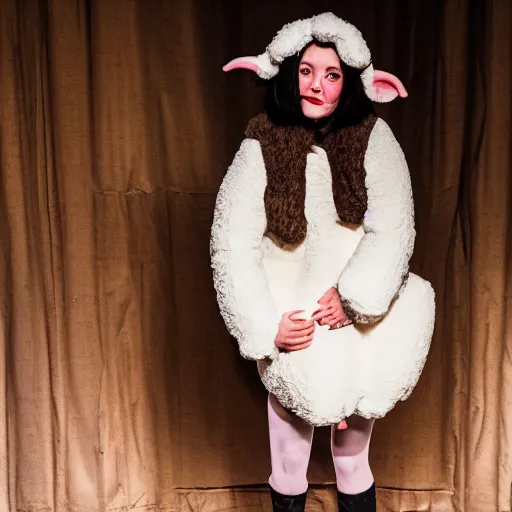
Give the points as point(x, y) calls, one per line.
point(354, 478)
point(290, 449)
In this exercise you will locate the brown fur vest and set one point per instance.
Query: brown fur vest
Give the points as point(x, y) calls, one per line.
point(285, 150)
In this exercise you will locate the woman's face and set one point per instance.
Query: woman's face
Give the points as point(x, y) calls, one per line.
point(320, 82)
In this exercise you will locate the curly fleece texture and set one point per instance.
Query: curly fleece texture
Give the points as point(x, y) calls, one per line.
point(285, 151)
point(378, 269)
point(326, 27)
point(357, 369)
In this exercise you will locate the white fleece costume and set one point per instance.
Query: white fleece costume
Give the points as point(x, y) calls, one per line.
point(364, 368)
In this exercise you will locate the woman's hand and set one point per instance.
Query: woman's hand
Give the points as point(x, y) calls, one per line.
point(331, 311)
point(294, 333)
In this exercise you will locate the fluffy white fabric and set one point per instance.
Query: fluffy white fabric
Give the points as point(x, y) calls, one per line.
point(326, 27)
point(376, 271)
point(290, 40)
point(267, 68)
point(357, 369)
point(245, 302)
point(367, 80)
point(349, 41)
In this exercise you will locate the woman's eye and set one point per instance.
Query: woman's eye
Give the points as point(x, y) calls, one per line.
point(304, 71)
point(333, 76)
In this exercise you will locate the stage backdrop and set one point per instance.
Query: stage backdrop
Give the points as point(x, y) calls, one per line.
point(120, 388)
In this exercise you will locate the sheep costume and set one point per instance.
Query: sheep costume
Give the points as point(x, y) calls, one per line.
point(364, 368)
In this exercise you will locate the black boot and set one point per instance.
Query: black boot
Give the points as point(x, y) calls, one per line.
point(284, 503)
point(363, 502)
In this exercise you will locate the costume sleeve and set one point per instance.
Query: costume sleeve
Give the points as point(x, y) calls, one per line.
point(239, 224)
point(379, 267)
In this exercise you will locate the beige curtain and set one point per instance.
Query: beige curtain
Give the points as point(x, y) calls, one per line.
point(120, 388)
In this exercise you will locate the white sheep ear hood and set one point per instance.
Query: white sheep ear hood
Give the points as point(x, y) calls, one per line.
point(351, 47)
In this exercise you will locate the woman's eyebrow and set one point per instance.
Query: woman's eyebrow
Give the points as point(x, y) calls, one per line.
point(328, 69)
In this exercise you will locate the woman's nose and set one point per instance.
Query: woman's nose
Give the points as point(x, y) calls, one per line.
point(315, 86)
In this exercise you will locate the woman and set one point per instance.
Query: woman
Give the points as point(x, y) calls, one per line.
point(311, 240)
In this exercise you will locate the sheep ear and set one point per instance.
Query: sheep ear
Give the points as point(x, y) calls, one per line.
point(250, 63)
point(385, 87)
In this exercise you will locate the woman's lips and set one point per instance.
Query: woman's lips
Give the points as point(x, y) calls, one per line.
point(315, 101)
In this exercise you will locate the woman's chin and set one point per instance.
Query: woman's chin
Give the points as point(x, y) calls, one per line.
point(313, 111)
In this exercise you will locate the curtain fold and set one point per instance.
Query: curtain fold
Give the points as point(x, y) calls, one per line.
point(120, 385)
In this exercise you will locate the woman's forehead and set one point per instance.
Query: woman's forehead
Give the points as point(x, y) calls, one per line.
point(319, 56)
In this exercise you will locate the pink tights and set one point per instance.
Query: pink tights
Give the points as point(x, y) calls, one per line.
point(290, 449)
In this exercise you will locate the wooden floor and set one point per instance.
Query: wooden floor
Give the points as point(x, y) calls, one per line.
point(256, 499)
